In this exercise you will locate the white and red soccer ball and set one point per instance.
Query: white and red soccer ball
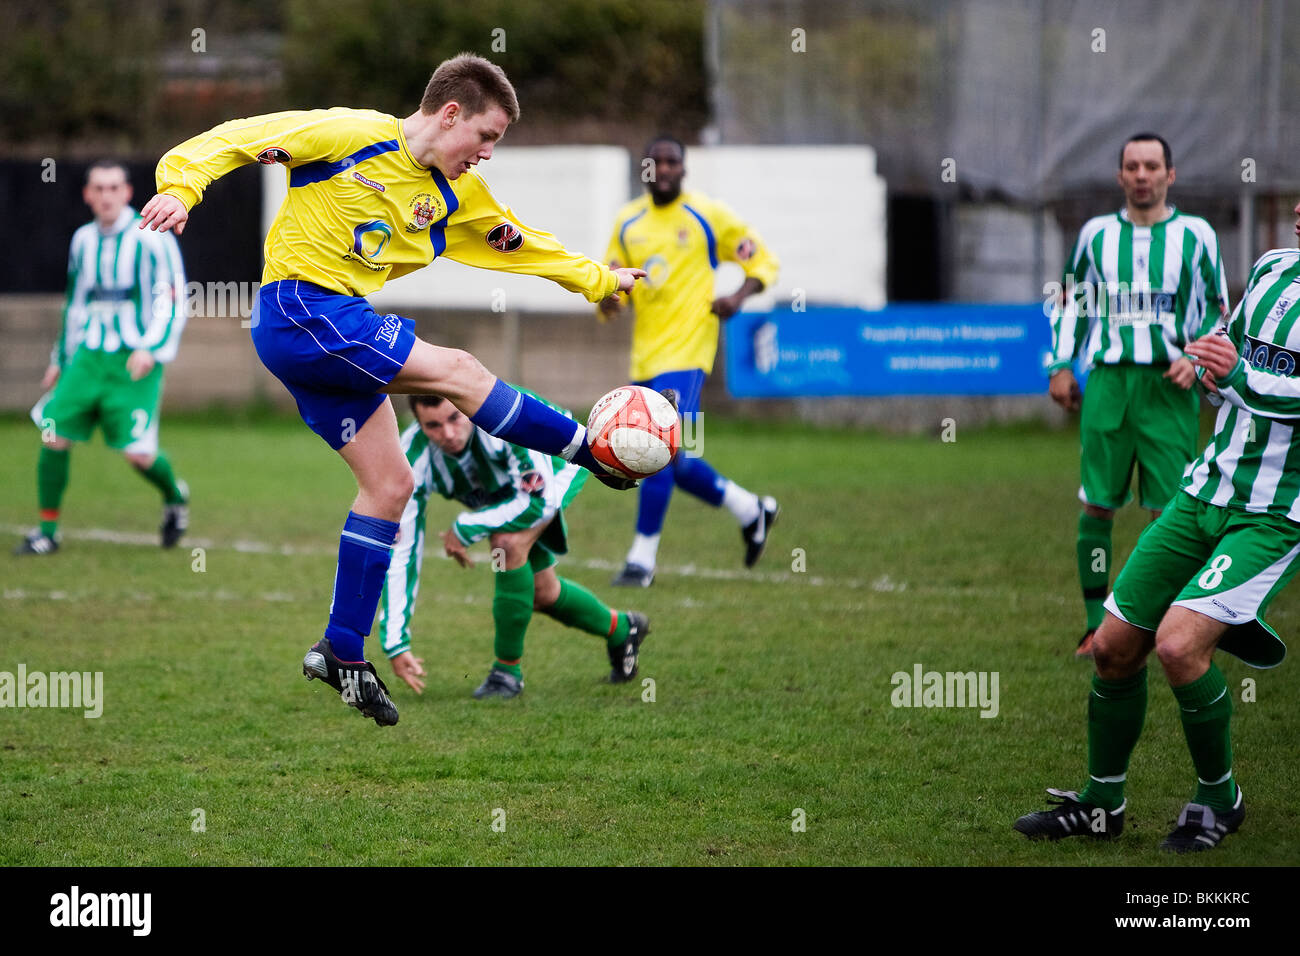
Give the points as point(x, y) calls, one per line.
point(633, 431)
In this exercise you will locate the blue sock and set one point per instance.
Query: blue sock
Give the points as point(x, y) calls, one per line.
point(696, 476)
point(656, 491)
point(521, 419)
point(365, 547)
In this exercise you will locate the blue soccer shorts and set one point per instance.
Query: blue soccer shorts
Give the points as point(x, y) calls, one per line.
point(333, 353)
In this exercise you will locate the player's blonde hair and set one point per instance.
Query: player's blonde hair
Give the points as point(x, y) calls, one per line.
point(473, 82)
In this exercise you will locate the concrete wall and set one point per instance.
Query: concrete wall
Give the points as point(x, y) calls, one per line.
point(570, 358)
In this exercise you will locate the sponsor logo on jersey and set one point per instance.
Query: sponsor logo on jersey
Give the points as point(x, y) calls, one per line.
point(367, 182)
point(1224, 608)
point(505, 237)
point(368, 240)
point(1137, 305)
point(745, 251)
point(425, 208)
point(272, 155)
point(532, 483)
point(389, 331)
point(1270, 357)
point(656, 269)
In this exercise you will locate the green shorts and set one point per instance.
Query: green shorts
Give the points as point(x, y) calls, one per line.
point(1133, 415)
point(555, 538)
point(1221, 562)
point(95, 388)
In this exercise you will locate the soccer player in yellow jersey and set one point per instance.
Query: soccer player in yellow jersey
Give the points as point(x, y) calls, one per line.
point(678, 238)
point(373, 197)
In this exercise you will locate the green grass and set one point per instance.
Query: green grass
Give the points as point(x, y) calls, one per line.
point(772, 689)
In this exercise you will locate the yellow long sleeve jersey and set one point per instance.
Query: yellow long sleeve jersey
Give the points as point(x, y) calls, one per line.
point(679, 245)
point(360, 210)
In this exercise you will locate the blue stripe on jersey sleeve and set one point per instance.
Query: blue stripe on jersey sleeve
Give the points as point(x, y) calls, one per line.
point(438, 231)
point(622, 234)
point(708, 234)
point(319, 171)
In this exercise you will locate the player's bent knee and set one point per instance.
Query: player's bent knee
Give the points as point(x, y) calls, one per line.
point(57, 444)
point(1118, 649)
point(143, 462)
point(1093, 511)
point(545, 595)
point(398, 488)
point(1175, 649)
point(511, 547)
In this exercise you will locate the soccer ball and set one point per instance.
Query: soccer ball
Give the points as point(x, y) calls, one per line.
point(633, 431)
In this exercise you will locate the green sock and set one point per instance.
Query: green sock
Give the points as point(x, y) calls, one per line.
point(1093, 550)
point(578, 607)
point(1206, 708)
point(1116, 712)
point(512, 609)
point(51, 482)
point(160, 475)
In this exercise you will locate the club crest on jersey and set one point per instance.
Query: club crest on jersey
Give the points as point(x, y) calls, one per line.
point(272, 155)
point(505, 237)
point(425, 208)
point(367, 182)
point(532, 483)
point(389, 331)
point(683, 237)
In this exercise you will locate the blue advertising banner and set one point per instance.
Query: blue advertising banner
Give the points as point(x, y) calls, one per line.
point(932, 349)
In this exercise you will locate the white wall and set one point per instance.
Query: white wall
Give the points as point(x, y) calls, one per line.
point(821, 209)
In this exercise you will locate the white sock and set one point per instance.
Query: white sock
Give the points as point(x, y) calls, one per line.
point(644, 551)
point(744, 505)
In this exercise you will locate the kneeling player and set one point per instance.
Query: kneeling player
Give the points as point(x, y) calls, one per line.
point(1202, 576)
point(516, 499)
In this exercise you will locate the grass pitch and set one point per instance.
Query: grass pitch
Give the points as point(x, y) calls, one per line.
point(772, 689)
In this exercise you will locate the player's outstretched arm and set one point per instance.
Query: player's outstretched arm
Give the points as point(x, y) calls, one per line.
point(485, 234)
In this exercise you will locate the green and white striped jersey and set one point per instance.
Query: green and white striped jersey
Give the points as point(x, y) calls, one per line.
point(1253, 460)
point(504, 488)
point(1135, 295)
point(126, 290)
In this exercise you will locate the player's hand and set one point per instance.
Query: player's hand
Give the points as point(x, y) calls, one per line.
point(410, 669)
point(164, 212)
point(725, 306)
point(627, 277)
point(1182, 373)
point(50, 377)
point(1064, 389)
point(610, 307)
point(454, 549)
point(1215, 353)
point(139, 364)
point(617, 482)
